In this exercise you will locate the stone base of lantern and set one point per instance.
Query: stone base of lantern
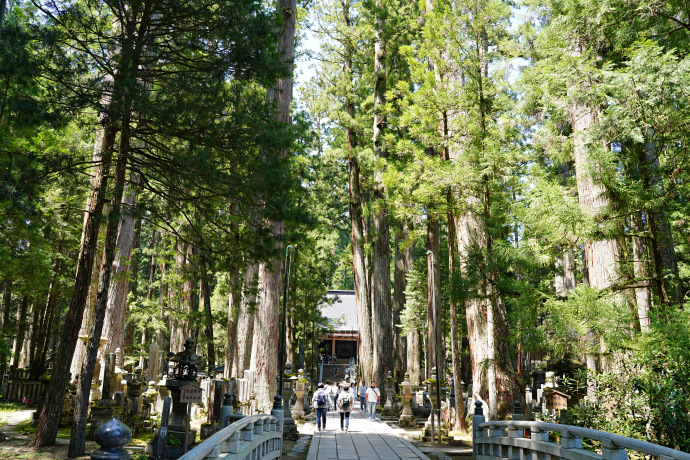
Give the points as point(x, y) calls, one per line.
point(290, 429)
point(209, 429)
point(407, 421)
point(171, 451)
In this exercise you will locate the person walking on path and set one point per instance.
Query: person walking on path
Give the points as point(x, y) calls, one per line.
point(363, 395)
point(335, 391)
point(321, 402)
point(353, 392)
point(373, 396)
point(345, 403)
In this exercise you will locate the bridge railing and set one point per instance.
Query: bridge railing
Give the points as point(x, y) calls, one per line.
point(255, 437)
point(505, 439)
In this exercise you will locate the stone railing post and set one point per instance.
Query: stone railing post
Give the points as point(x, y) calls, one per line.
point(517, 416)
point(611, 451)
point(514, 432)
point(477, 419)
point(569, 441)
point(226, 410)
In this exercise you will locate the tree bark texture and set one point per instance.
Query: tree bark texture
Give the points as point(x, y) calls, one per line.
point(414, 356)
point(494, 373)
point(404, 257)
point(190, 297)
point(601, 256)
point(78, 435)
point(20, 329)
point(434, 343)
point(205, 298)
point(245, 321)
point(37, 366)
point(357, 232)
point(265, 346)
point(48, 421)
point(641, 273)
point(565, 280)
point(460, 422)
point(114, 323)
point(361, 278)
point(381, 309)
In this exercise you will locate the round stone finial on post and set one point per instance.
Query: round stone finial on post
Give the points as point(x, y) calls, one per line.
point(517, 407)
point(112, 436)
point(517, 411)
point(478, 408)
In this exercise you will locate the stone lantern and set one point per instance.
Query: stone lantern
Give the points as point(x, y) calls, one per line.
point(389, 385)
point(300, 388)
point(407, 418)
point(184, 374)
point(289, 426)
point(288, 388)
point(432, 395)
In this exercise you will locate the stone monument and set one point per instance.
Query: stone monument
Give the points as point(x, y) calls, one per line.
point(184, 374)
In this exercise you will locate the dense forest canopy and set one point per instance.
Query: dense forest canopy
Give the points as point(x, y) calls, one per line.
point(504, 185)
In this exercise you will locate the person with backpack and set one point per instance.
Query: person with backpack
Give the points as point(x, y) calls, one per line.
point(321, 402)
point(345, 402)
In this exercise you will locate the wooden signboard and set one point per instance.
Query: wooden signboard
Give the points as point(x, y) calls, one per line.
point(190, 394)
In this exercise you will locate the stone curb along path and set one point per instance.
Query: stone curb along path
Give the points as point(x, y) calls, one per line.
point(365, 440)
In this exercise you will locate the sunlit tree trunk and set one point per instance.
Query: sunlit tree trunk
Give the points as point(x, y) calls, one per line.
point(460, 422)
point(601, 256)
point(357, 232)
point(114, 324)
point(565, 280)
point(434, 344)
point(245, 321)
point(265, 345)
point(403, 263)
point(642, 293)
point(46, 429)
point(382, 340)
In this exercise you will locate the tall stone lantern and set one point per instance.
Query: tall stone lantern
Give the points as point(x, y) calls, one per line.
point(389, 385)
point(300, 389)
point(289, 426)
point(432, 395)
point(407, 418)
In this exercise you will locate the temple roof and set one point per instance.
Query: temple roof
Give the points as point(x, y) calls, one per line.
point(342, 313)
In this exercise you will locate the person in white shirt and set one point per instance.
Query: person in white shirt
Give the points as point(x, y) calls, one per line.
point(335, 391)
point(373, 396)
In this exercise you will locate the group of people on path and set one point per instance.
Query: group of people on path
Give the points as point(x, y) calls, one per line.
point(333, 397)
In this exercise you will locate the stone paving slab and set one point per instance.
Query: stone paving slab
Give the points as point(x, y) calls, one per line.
point(365, 440)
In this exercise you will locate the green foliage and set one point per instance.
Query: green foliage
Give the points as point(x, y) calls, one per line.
point(648, 398)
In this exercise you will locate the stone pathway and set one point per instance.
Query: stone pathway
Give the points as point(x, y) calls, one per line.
point(16, 418)
point(365, 440)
